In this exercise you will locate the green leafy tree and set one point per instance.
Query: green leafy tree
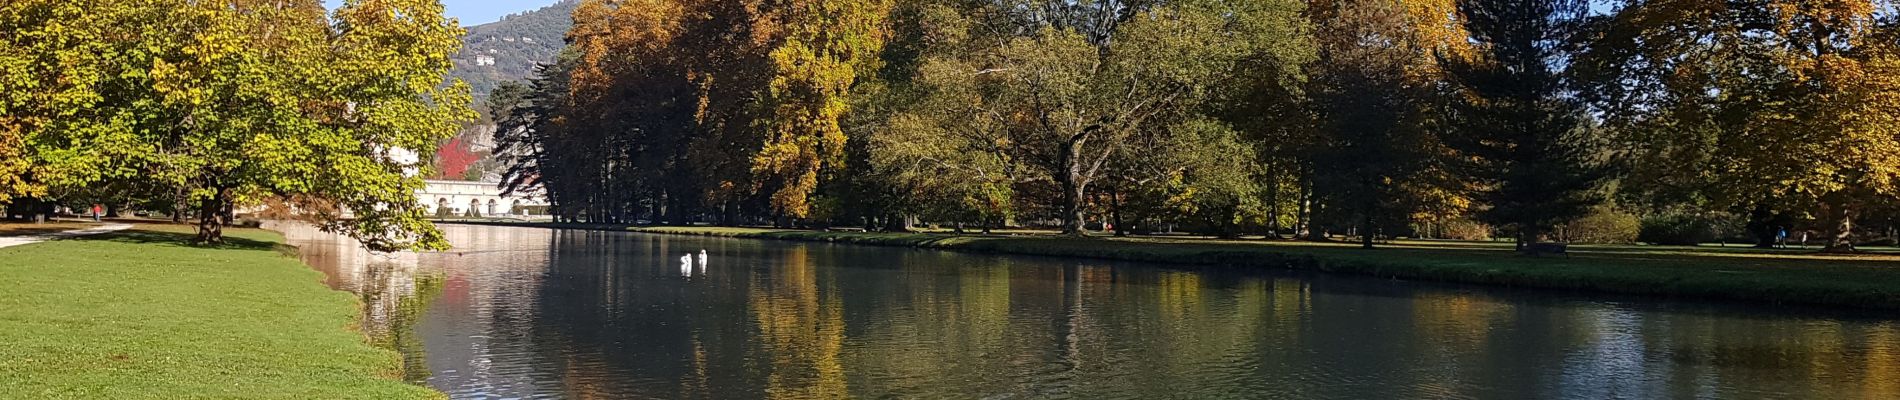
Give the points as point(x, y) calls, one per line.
point(237, 103)
point(59, 95)
point(1066, 92)
point(392, 57)
point(25, 66)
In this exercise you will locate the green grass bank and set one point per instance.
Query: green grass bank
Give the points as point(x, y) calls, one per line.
point(139, 314)
point(1792, 277)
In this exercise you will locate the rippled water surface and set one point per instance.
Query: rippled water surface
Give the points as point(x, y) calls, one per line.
point(535, 313)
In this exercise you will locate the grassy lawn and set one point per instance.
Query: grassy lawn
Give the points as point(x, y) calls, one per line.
point(1731, 273)
point(137, 314)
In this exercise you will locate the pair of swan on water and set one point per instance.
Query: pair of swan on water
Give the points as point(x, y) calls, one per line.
point(686, 263)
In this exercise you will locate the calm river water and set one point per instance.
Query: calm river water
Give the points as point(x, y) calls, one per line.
point(536, 313)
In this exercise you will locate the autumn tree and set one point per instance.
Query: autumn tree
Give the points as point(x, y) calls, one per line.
point(1530, 139)
point(1841, 119)
point(663, 116)
point(1754, 106)
point(1377, 159)
point(828, 45)
point(1669, 78)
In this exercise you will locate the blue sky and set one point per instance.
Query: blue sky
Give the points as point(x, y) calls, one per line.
point(477, 12)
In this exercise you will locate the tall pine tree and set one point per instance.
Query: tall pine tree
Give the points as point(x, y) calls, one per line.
point(1516, 118)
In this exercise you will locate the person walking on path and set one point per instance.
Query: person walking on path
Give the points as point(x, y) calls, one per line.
point(97, 212)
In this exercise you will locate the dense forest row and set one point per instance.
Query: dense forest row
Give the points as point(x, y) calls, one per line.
point(206, 108)
point(1675, 120)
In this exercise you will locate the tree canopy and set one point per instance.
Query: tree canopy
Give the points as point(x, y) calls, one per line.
point(226, 104)
point(1540, 120)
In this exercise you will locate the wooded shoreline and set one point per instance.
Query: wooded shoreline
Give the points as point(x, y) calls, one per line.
point(1728, 274)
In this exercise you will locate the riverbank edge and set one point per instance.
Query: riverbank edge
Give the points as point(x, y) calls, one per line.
point(281, 241)
point(1678, 281)
point(388, 367)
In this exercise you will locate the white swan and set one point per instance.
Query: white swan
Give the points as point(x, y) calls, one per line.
point(702, 257)
point(686, 265)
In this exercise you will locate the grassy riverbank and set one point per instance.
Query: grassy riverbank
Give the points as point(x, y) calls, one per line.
point(1728, 273)
point(139, 314)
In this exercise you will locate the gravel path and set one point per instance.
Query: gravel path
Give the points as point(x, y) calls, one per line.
point(10, 241)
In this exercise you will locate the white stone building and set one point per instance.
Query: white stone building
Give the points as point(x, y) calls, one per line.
point(477, 198)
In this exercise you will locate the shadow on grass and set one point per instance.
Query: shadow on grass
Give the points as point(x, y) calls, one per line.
point(182, 239)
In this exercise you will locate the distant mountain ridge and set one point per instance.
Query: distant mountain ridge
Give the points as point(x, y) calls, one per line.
point(492, 53)
point(509, 49)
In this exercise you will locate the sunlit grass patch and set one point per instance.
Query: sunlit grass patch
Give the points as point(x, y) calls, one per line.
point(143, 314)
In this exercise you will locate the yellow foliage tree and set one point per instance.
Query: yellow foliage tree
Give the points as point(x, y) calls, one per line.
point(830, 43)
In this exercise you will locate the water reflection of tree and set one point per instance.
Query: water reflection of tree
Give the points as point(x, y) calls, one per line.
point(925, 323)
point(801, 325)
point(398, 311)
point(392, 291)
point(614, 319)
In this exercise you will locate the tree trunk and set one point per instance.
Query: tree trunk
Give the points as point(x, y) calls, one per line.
point(1841, 235)
point(179, 205)
point(1526, 236)
point(1314, 231)
point(896, 223)
point(729, 216)
point(1365, 231)
point(1074, 187)
point(211, 217)
point(677, 211)
point(1072, 218)
point(1115, 211)
point(1303, 219)
point(1273, 209)
point(1761, 225)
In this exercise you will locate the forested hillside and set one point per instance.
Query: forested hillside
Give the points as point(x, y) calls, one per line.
point(492, 53)
point(508, 50)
